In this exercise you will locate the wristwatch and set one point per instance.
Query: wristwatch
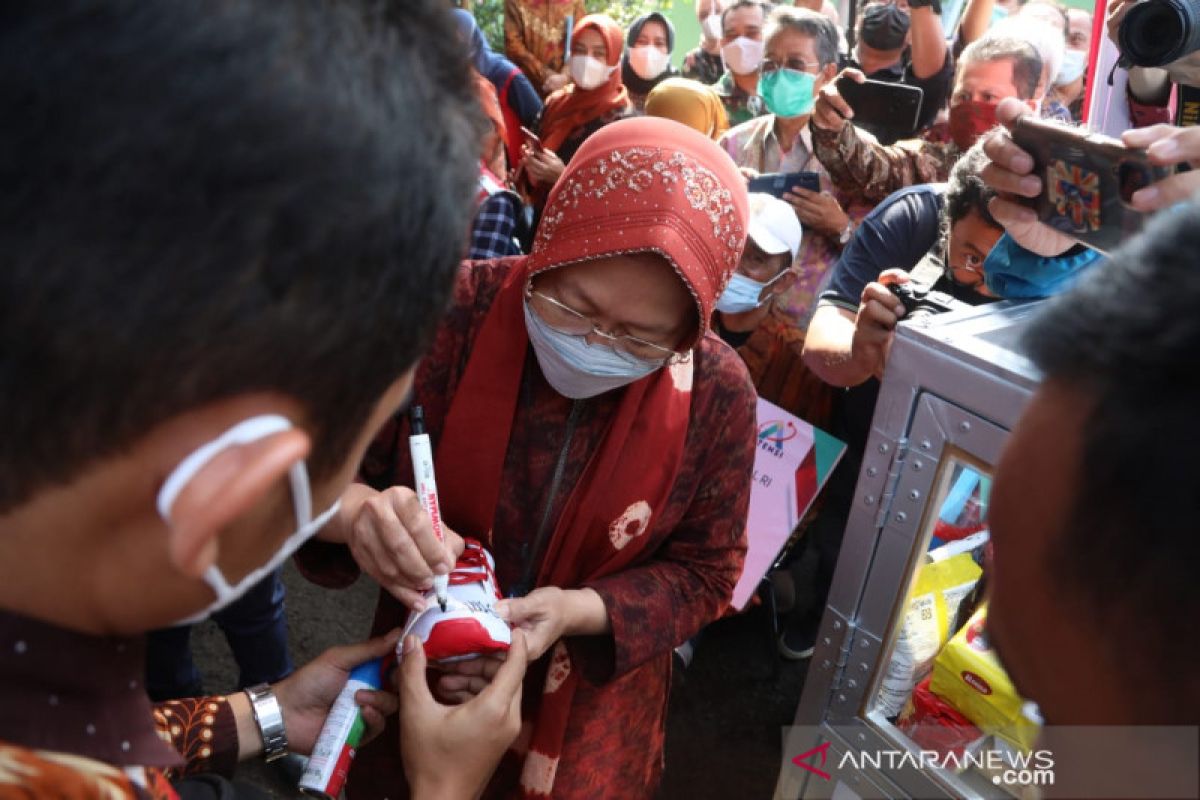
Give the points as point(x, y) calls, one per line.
point(269, 717)
point(847, 232)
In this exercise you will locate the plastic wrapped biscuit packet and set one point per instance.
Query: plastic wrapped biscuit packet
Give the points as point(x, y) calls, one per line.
point(969, 676)
point(938, 590)
point(469, 627)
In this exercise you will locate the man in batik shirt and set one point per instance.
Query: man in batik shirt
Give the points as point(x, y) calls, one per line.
point(989, 70)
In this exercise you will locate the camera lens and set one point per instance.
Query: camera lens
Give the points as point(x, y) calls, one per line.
point(1157, 32)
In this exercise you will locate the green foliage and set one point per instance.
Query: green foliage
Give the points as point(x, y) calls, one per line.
point(490, 14)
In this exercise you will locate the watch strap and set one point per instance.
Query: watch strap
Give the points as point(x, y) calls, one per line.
point(269, 717)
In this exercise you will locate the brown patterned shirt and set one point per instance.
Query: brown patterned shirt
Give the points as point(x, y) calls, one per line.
point(75, 721)
point(868, 171)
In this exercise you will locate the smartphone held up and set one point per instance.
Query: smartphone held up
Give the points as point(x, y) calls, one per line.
point(1088, 181)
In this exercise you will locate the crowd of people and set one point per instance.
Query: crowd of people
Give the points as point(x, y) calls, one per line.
point(234, 238)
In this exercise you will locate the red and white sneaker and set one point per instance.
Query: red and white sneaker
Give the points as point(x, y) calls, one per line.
point(469, 627)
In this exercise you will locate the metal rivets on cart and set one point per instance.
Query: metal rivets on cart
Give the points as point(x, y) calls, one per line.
point(918, 465)
point(872, 472)
point(869, 500)
point(851, 684)
point(964, 426)
point(901, 517)
point(914, 495)
point(926, 444)
point(837, 624)
point(884, 448)
point(826, 664)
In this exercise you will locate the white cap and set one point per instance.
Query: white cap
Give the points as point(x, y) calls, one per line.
point(773, 225)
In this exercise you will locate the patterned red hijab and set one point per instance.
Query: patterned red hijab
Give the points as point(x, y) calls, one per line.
point(571, 107)
point(638, 185)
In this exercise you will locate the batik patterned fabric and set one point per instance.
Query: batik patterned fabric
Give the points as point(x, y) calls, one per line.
point(75, 721)
point(534, 32)
point(868, 171)
point(655, 477)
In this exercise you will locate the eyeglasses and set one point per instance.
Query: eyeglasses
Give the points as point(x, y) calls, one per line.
point(972, 266)
point(797, 64)
point(565, 319)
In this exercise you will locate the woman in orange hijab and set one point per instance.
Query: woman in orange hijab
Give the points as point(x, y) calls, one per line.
point(594, 98)
point(597, 437)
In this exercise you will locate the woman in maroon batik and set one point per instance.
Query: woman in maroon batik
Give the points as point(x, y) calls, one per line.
point(618, 486)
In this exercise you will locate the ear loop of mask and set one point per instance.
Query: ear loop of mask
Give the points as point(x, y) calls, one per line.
point(245, 432)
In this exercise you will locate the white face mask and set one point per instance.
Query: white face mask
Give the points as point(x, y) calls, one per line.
point(576, 369)
point(648, 61)
point(1073, 64)
point(588, 72)
point(244, 432)
point(711, 27)
point(743, 56)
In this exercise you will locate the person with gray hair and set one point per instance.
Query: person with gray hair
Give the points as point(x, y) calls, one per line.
point(800, 60)
point(990, 70)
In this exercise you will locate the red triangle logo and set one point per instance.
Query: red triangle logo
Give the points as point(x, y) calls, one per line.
point(821, 750)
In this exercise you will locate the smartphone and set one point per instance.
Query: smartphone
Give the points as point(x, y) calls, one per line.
point(777, 184)
point(1088, 181)
point(888, 110)
point(532, 139)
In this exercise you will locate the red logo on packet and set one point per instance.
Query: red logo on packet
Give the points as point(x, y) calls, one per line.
point(975, 682)
point(977, 637)
point(821, 750)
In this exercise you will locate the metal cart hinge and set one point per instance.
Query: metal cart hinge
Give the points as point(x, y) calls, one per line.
point(893, 478)
point(845, 648)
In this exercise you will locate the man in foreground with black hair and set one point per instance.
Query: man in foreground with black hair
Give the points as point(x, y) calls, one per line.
point(1096, 497)
point(216, 280)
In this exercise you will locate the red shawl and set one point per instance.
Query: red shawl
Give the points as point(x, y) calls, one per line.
point(570, 108)
point(635, 186)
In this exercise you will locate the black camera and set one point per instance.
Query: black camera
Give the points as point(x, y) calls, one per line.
point(921, 301)
point(1157, 32)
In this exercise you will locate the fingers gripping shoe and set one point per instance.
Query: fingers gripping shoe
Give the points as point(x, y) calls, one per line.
point(469, 627)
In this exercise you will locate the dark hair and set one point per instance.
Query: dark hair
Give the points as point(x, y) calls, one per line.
point(808, 23)
point(966, 190)
point(635, 30)
point(1026, 63)
point(761, 4)
point(207, 199)
point(1126, 338)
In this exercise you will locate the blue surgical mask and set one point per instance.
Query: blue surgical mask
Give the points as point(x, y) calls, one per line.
point(787, 92)
point(1014, 273)
point(742, 294)
point(1073, 64)
point(576, 369)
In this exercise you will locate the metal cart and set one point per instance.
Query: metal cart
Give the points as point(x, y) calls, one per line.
point(953, 390)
